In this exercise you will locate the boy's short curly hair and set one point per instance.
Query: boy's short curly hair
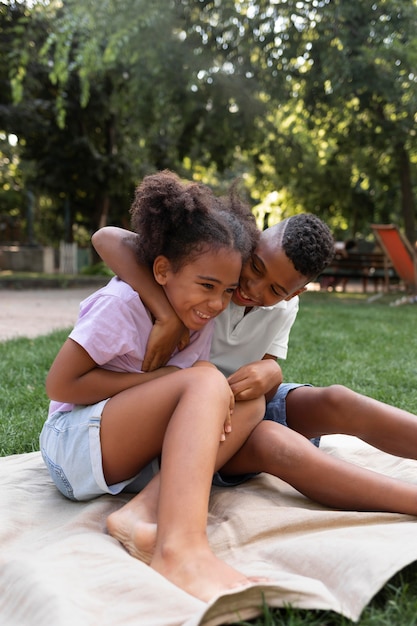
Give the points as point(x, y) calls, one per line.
point(308, 243)
point(180, 220)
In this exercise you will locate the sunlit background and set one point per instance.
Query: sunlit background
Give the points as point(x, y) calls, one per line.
point(311, 104)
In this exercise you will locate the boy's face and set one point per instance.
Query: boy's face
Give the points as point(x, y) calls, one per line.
point(268, 277)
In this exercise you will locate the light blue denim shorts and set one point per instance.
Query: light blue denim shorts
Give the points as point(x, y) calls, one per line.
point(276, 411)
point(71, 450)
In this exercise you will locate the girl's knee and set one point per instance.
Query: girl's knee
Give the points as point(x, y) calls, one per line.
point(209, 380)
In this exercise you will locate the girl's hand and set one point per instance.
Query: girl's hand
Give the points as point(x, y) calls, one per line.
point(227, 428)
point(256, 379)
point(165, 336)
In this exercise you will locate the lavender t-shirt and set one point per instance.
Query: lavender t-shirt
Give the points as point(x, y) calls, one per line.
point(113, 326)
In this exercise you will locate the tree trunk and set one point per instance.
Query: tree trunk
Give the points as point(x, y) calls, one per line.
point(408, 208)
point(104, 211)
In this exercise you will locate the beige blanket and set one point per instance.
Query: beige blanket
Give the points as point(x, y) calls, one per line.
point(59, 566)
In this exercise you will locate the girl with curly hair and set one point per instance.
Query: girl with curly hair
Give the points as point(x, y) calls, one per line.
point(110, 423)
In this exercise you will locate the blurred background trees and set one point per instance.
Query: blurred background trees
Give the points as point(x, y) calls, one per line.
point(313, 103)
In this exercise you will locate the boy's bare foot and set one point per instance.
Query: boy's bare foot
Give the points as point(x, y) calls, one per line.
point(201, 574)
point(136, 534)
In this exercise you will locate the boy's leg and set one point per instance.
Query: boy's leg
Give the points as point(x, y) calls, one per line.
point(315, 411)
point(276, 409)
point(284, 453)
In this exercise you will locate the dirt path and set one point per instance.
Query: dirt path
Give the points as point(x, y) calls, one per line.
point(33, 312)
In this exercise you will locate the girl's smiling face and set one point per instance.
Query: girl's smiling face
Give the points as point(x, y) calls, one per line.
point(201, 289)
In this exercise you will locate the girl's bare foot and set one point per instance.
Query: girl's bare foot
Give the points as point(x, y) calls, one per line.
point(136, 534)
point(200, 573)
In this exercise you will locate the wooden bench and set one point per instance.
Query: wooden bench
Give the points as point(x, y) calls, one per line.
point(367, 267)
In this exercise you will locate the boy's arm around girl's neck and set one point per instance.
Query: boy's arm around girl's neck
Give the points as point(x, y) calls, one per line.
point(116, 247)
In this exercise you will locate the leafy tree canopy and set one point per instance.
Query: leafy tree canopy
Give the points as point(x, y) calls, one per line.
point(313, 101)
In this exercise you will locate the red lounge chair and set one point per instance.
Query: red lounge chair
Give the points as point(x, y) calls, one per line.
point(400, 252)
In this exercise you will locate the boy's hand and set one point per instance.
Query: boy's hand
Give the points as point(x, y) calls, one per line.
point(165, 336)
point(255, 379)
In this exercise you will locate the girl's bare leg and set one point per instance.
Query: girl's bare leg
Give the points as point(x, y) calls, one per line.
point(280, 451)
point(315, 411)
point(135, 524)
point(184, 413)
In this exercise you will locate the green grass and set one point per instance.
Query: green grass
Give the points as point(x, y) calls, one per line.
point(343, 338)
point(370, 347)
point(24, 364)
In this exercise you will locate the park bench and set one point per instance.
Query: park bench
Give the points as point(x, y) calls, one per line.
point(366, 267)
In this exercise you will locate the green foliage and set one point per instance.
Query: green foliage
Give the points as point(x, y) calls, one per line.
point(314, 102)
point(344, 140)
point(98, 269)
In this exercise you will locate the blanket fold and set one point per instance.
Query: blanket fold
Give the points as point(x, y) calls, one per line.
point(59, 566)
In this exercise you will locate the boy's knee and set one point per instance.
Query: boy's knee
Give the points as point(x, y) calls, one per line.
point(335, 396)
point(275, 443)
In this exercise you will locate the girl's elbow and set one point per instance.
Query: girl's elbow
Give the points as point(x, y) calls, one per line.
point(49, 388)
point(52, 388)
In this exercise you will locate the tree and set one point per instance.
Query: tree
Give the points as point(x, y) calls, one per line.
point(128, 91)
point(352, 65)
point(313, 100)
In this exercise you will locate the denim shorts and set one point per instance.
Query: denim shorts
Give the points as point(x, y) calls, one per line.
point(276, 411)
point(71, 450)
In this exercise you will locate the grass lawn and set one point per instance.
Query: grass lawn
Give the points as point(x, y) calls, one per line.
point(343, 338)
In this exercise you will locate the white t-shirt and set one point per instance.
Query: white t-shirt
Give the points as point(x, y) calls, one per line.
point(240, 339)
point(113, 327)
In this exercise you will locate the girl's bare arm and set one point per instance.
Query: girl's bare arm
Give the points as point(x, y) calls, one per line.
point(116, 246)
point(74, 377)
